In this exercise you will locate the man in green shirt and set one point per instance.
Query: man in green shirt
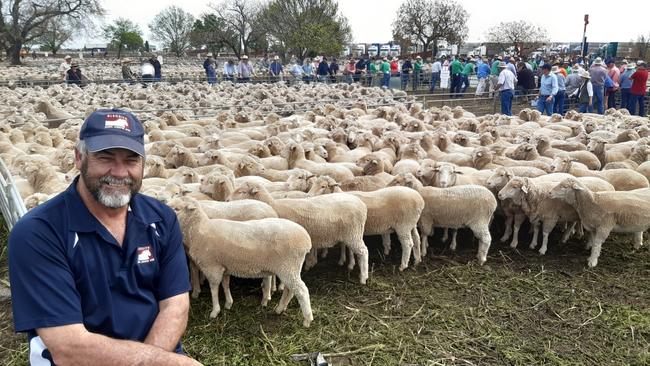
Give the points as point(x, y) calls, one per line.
point(494, 75)
point(417, 71)
point(467, 71)
point(456, 70)
point(385, 70)
point(372, 71)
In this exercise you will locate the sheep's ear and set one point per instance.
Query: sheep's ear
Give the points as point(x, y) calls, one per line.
point(458, 172)
point(479, 154)
point(576, 187)
point(528, 148)
point(241, 165)
point(524, 189)
point(254, 190)
point(191, 206)
point(375, 162)
point(336, 185)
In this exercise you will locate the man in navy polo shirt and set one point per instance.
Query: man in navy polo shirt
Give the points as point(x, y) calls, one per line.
point(98, 273)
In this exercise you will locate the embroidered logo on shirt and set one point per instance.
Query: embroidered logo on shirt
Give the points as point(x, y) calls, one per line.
point(117, 121)
point(145, 255)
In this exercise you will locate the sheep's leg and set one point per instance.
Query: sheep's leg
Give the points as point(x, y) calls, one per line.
point(323, 252)
point(360, 250)
point(547, 227)
point(445, 234)
point(225, 283)
point(424, 236)
point(506, 233)
point(590, 240)
point(196, 279)
point(581, 230)
point(343, 256)
point(638, 240)
point(352, 262)
point(214, 279)
point(385, 240)
point(568, 232)
point(415, 239)
point(484, 241)
point(452, 246)
point(274, 284)
point(599, 237)
point(407, 246)
point(518, 220)
point(302, 295)
point(533, 242)
point(267, 284)
point(287, 295)
point(311, 259)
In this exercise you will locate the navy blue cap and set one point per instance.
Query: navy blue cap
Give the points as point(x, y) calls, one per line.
point(112, 129)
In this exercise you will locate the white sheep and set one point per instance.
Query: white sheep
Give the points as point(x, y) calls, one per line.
point(621, 179)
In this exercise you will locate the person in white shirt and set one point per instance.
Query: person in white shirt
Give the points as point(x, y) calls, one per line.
point(65, 66)
point(506, 86)
point(436, 68)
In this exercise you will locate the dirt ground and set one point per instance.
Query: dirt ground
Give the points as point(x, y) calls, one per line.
point(518, 309)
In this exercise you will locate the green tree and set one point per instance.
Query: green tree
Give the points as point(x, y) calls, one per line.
point(173, 26)
point(56, 32)
point(123, 33)
point(305, 26)
point(24, 21)
point(427, 22)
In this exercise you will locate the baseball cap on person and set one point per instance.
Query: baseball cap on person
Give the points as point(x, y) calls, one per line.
point(112, 129)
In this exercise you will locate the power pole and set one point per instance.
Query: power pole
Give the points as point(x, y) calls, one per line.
point(584, 37)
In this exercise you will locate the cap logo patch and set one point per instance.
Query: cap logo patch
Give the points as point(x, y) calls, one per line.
point(145, 255)
point(117, 121)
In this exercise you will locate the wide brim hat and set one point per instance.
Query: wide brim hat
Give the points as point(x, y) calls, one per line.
point(640, 62)
point(555, 69)
point(575, 67)
point(598, 61)
point(74, 64)
point(276, 57)
point(112, 129)
point(585, 74)
point(630, 66)
point(418, 57)
point(126, 60)
point(67, 57)
point(502, 65)
point(209, 54)
point(244, 57)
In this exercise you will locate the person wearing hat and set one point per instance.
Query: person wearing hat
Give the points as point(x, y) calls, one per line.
point(622, 69)
point(436, 70)
point(209, 66)
point(468, 70)
point(74, 76)
point(573, 81)
point(244, 70)
point(638, 89)
point(323, 70)
point(373, 68)
point(585, 93)
point(359, 68)
point(558, 103)
point(598, 75)
point(229, 70)
point(407, 68)
point(334, 69)
point(456, 74)
point(614, 74)
point(127, 74)
point(494, 74)
point(525, 80)
point(385, 71)
point(625, 83)
point(64, 67)
point(98, 273)
point(417, 72)
point(506, 86)
point(157, 67)
point(482, 74)
point(308, 71)
point(547, 90)
point(276, 69)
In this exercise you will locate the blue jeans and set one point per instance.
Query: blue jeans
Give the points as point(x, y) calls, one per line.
point(385, 80)
point(585, 107)
point(405, 81)
point(625, 97)
point(634, 100)
point(465, 84)
point(558, 105)
point(506, 102)
point(599, 103)
point(544, 106)
point(416, 80)
point(435, 79)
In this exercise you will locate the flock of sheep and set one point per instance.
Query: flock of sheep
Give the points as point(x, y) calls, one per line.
point(260, 195)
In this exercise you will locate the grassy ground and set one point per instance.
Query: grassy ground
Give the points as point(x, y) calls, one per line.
point(517, 309)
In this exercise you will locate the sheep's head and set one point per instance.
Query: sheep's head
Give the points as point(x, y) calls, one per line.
point(299, 180)
point(216, 185)
point(481, 156)
point(324, 185)
point(525, 152)
point(461, 139)
point(248, 166)
point(444, 175)
point(183, 206)
point(561, 164)
point(274, 144)
point(188, 175)
point(247, 190)
point(515, 189)
point(499, 179)
point(566, 190)
point(405, 180)
point(596, 145)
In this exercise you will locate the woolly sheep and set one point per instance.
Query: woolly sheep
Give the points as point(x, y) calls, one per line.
point(621, 179)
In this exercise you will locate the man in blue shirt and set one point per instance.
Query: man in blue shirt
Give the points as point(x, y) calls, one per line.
point(98, 273)
point(276, 69)
point(482, 74)
point(547, 90)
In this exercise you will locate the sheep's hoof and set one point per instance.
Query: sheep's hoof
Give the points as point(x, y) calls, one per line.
point(542, 251)
point(532, 245)
point(514, 244)
point(227, 305)
point(341, 262)
point(592, 262)
point(195, 294)
point(504, 238)
point(306, 323)
point(363, 281)
point(214, 313)
point(481, 261)
point(279, 309)
point(402, 268)
point(265, 302)
point(387, 251)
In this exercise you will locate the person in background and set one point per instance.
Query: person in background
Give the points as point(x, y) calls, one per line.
point(64, 67)
point(615, 74)
point(74, 75)
point(229, 70)
point(127, 74)
point(436, 69)
point(407, 67)
point(394, 67)
point(558, 103)
point(147, 71)
point(334, 70)
point(482, 74)
point(525, 80)
point(505, 85)
point(417, 72)
point(468, 70)
point(598, 74)
point(573, 81)
point(547, 90)
point(585, 93)
point(510, 62)
point(323, 71)
point(385, 71)
point(276, 69)
point(359, 68)
point(494, 75)
point(157, 68)
point(307, 71)
point(622, 69)
point(349, 71)
point(626, 85)
point(456, 73)
point(244, 70)
point(373, 69)
point(210, 70)
point(638, 89)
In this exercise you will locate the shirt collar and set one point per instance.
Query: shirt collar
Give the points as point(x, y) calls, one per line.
point(81, 219)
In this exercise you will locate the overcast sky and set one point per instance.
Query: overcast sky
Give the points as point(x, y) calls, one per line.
point(371, 19)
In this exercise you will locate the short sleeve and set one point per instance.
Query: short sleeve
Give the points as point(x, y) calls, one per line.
point(42, 284)
point(174, 275)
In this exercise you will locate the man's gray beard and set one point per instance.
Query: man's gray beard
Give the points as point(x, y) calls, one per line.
point(114, 200)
